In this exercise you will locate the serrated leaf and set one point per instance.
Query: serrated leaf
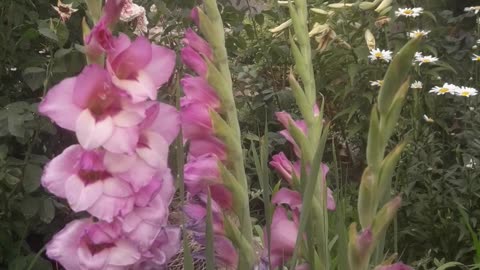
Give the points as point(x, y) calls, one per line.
point(30, 206)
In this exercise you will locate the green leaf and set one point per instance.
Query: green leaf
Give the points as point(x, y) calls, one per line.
point(31, 178)
point(34, 77)
point(396, 74)
point(30, 206)
point(47, 212)
point(62, 34)
point(48, 33)
point(449, 265)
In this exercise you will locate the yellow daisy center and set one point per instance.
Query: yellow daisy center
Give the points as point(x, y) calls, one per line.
point(408, 12)
point(378, 55)
point(443, 90)
point(465, 94)
point(426, 60)
point(477, 58)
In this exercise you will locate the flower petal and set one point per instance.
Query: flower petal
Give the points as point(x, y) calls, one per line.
point(59, 169)
point(123, 140)
point(58, 104)
point(153, 149)
point(92, 133)
point(80, 196)
point(161, 66)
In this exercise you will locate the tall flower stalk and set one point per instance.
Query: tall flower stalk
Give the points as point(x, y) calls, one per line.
point(375, 209)
point(215, 176)
point(118, 173)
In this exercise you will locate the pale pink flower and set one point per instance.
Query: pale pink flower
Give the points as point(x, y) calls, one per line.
point(65, 11)
point(83, 244)
point(135, 14)
point(96, 110)
point(81, 177)
point(198, 90)
point(193, 60)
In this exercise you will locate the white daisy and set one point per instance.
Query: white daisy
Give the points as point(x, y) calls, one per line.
point(416, 85)
point(423, 59)
point(377, 54)
point(476, 58)
point(378, 83)
point(446, 88)
point(427, 119)
point(466, 91)
point(478, 41)
point(470, 164)
point(418, 33)
point(409, 12)
point(474, 9)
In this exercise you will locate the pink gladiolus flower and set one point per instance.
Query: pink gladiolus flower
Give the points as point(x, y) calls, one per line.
point(140, 68)
point(198, 90)
point(95, 109)
point(285, 167)
point(226, 255)
point(194, 16)
point(285, 119)
point(196, 121)
point(198, 44)
point(83, 244)
point(211, 145)
point(283, 236)
point(165, 246)
point(194, 61)
point(81, 177)
point(288, 197)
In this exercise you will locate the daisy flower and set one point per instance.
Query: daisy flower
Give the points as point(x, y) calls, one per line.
point(416, 85)
point(378, 83)
point(474, 9)
point(422, 59)
point(418, 33)
point(427, 119)
point(377, 54)
point(409, 12)
point(476, 58)
point(466, 91)
point(446, 88)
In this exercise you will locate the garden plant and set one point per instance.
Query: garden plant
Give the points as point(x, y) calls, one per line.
point(239, 134)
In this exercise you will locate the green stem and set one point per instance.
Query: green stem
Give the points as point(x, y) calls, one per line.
point(237, 163)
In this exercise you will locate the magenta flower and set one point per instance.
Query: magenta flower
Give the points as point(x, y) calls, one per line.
point(283, 236)
point(285, 118)
point(226, 256)
point(81, 177)
point(140, 68)
point(198, 44)
point(193, 60)
point(210, 145)
point(196, 122)
point(198, 90)
point(83, 244)
point(285, 167)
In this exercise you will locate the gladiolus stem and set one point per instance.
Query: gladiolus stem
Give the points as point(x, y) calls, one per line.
point(237, 164)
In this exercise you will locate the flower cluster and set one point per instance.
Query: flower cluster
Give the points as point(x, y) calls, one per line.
point(409, 12)
point(118, 173)
point(454, 90)
point(206, 152)
point(136, 15)
point(285, 225)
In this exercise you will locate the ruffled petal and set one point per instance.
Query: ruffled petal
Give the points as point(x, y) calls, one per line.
point(59, 169)
point(123, 140)
point(160, 68)
point(153, 149)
